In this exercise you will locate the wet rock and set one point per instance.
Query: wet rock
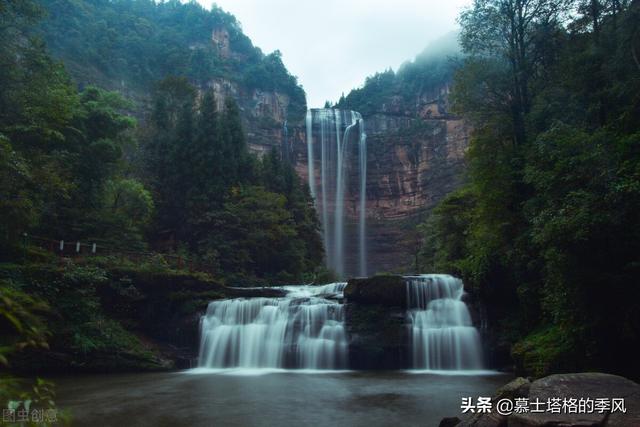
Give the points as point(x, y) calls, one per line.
point(629, 419)
point(264, 292)
point(485, 420)
point(449, 422)
point(383, 290)
point(516, 388)
point(588, 385)
point(377, 337)
point(583, 385)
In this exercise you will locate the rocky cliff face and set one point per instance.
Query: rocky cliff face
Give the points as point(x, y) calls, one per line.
point(264, 114)
point(416, 147)
point(414, 161)
point(415, 157)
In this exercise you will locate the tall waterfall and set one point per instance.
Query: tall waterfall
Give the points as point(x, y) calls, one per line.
point(304, 329)
point(330, 135)
point(442, 335)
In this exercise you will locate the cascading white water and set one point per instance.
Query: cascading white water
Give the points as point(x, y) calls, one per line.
point(304, 329)
point(312, 182)
point(333, 133)
point(362, 220)
point(442, 334)
point(324, 181)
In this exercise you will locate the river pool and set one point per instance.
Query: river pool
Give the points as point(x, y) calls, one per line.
point(270, 398)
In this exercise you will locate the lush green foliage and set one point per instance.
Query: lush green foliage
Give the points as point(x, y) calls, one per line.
point(58, 147)
point(78, 166)
point(248, 217)
point(403, 90)
point(22, 327)
point(548, 223)
point(127, 45)
point(20, 323)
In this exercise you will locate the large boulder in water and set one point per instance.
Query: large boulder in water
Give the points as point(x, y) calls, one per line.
point(255, 292)
point(376, 322)
point(592, 385)
point(449, 422)
point(385, 290)
point(378, 336)
point(517, 388)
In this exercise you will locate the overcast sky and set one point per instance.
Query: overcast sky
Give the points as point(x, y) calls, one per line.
point(332, 45)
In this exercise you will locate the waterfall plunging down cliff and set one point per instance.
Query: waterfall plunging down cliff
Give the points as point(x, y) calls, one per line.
point(442, 335)
point(304, 329)
point(329, 135)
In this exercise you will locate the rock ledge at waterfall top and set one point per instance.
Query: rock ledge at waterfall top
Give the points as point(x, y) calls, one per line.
point(385, 290)
point(588, 385)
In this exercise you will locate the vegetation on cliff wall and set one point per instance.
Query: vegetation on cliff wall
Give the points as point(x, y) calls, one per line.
point(400, 92)
point(128, 45)
point(546, 229)
point(178, 184)
point(248, 217)
point(77, 167)
point(93, 315)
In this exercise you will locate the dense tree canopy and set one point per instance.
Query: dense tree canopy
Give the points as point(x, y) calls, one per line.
point(250, 217)
point(421, 78)
point(547, 224)
point(127, 45)
point(76, 165)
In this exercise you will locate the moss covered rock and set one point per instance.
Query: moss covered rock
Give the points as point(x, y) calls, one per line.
point(383, 290)
point(545, 352)
point(378, 336)
point(114, 319)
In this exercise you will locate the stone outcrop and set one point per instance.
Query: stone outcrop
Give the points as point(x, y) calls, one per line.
point(387, 291)
point(413, 163)
point(378, 336)
point(264, 115)
point(582, 385)
point(376, 323)
point(220, 39)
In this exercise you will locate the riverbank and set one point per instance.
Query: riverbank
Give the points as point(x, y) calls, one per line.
point(132, 318)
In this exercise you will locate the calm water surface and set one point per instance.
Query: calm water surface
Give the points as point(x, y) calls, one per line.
point(267, 398)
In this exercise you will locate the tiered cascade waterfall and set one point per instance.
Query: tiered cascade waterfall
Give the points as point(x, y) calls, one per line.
point(442, 334)
point(304, 329)
point(333, 136)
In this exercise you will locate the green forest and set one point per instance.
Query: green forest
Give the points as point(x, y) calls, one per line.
point(130, 198)
point(129, 45)
point(159, 184)
point(78, 164)
point(547, 224)
point(424, 75)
